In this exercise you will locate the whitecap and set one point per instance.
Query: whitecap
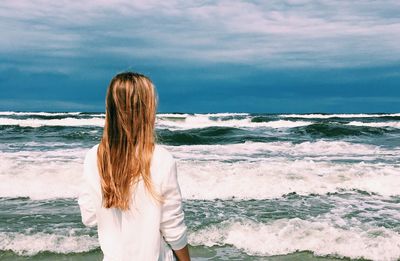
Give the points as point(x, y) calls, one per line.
point(286, 236)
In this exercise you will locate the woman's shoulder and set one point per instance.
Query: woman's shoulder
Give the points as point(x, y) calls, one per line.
point(161, 152)
point(94, 148)
point(91, 153)
point(161, 163)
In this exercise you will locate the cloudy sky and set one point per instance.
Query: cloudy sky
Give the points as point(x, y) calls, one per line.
point(203, 56)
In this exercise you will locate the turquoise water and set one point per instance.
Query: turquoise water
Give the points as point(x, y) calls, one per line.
point(255, 186)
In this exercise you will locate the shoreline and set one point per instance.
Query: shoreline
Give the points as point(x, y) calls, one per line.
point(198, 253)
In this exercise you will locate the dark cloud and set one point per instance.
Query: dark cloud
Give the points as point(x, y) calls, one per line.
point(203, 56)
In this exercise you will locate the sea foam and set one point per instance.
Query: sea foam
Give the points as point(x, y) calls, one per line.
point(29, 245)
point(393, 124)
point(205, 120)
point(186, 122)
point(344, 115)
point(71, 122)
point(285, 236)
point(10, 113)
point(24, 174)
point(274, 178)
point(260, 150)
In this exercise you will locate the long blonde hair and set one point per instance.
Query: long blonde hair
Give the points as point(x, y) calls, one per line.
point(126, 148)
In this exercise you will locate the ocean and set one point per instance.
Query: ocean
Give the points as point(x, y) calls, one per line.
point(255, 186)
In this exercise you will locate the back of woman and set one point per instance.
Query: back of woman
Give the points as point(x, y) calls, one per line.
point(129, 187)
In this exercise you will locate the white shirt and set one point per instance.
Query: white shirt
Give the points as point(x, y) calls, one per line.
point(148, 230)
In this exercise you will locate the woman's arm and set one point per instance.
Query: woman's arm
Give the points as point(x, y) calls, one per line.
point(86, 195)
point(173, 227)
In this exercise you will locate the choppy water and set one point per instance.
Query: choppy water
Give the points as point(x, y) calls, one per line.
point(255, 186)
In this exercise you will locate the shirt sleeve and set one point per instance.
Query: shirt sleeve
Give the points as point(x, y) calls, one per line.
point(86, 198)
point(172, 226)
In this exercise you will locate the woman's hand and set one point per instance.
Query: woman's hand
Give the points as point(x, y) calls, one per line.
point(182, 254)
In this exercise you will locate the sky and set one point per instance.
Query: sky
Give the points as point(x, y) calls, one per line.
point(203, 56)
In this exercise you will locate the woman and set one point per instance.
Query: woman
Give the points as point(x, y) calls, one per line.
point(130, 188)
